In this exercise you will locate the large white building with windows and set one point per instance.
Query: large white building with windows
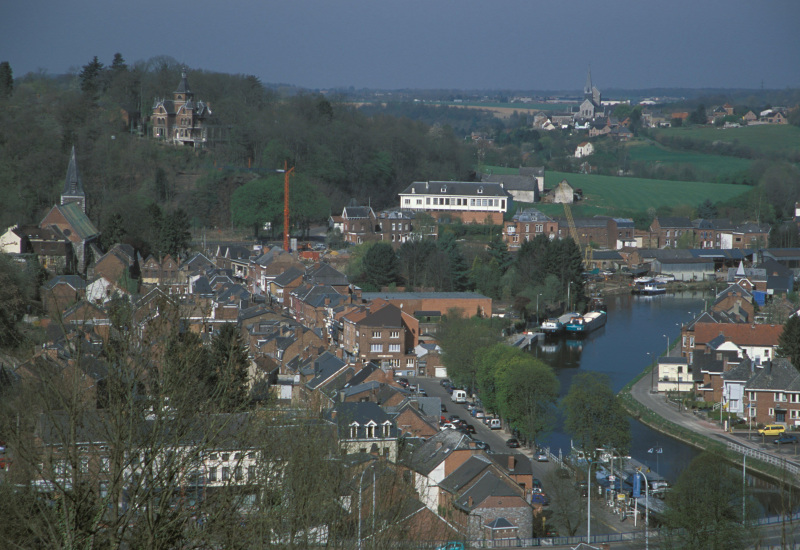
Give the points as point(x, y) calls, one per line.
point(472, 202)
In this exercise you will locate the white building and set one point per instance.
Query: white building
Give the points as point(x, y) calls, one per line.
point(472, 202)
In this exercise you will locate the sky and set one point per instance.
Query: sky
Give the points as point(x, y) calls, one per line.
point(423, 44)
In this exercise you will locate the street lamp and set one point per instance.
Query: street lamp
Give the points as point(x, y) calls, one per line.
point(646, 511)
point(652, 372)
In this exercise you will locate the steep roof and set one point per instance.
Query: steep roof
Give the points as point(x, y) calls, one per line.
point(183, 85)
point(73, 187)
point(78, 220)
point(489, 485)
point(778, 374)
point(436, 449)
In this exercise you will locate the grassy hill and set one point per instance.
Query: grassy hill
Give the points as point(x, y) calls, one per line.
point(763, 138)
point(715, 166)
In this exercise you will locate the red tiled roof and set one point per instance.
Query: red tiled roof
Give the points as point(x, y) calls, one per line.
point(741, 334)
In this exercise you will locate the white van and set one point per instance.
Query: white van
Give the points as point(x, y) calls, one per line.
point(495, 424)
point(459, 396)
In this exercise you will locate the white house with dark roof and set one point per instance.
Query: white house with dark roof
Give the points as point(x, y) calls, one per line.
point(472, 202)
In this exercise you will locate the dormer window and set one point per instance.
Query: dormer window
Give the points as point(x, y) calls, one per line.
point(444, 189)
point(480, 190)
point(387, 426)
point(371, 429)
point(353, 430)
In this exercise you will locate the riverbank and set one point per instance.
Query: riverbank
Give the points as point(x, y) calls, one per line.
point(653, 410)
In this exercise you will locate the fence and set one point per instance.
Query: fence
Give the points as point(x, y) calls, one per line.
point(781, 463)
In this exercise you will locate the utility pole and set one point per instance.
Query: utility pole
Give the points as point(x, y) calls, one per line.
point(286, 173)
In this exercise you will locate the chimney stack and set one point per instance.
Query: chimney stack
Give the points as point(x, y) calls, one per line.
point(512, 461)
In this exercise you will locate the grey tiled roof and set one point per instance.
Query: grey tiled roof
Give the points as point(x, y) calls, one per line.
point(489, 485)
point(433, 451)
point(456, 188)
point(778, 374)
point(465, 473)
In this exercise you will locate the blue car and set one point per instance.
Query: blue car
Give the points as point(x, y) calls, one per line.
point(786, 438)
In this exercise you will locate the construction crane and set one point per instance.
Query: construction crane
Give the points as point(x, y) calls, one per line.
point(586, 252)
point(286, 173)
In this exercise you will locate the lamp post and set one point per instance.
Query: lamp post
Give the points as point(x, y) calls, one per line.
point(589, 502)
point(646, 512)
point(652, 372)
point(360, 486)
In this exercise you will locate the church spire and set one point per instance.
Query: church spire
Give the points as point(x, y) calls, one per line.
point(73, 187)
point(587, 89)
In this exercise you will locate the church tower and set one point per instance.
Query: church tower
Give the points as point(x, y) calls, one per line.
point(73, 187)
point(587, 88)
point(183, 94)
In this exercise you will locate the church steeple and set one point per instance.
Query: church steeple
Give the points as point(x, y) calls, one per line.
point(73, 187)
point(587, 88)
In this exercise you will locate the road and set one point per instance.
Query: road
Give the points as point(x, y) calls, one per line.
point(603, 520)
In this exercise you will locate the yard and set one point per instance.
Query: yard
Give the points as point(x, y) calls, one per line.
point(762, 138)
point(715, 166)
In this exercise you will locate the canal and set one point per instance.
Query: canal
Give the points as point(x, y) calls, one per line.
point(638, 330)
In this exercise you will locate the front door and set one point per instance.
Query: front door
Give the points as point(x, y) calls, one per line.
point(780, 416)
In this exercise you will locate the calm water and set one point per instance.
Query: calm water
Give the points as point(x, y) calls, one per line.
point(638, 329)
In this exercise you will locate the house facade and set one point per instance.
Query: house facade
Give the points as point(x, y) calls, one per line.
point(471, 202)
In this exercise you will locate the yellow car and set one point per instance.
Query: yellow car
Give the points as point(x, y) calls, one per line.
point(772, 429)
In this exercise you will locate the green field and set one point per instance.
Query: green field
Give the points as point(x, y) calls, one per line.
point(611, 195)
point(764, 138)
point(714, 165)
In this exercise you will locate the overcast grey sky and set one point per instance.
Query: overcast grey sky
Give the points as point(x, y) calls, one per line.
point(484, 44)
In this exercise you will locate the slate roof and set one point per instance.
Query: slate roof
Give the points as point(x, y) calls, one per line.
point(288, 276)
point(465, 473)
point(778, 374)
point(456, 188)
point(489, 485)
point(531, 215)
point(73, 187)
point(512, 182)
point(78, 220)
point(387, 316)
point(740, 373)
point(737, 288)
point(501, 523)
point(75, 281)
point(436, 449)
point(357, 212)
point(363, 413)
point(324, 274)
point(677, 222)
point(183, 85)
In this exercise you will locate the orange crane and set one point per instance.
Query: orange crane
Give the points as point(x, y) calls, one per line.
point(286, 173)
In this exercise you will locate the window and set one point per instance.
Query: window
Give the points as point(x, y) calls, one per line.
point(238, 473)
point(376, 334)
point(752, 412)
point(237, 456)
point(394, 348)
point(371, 430)
point(225, 456)
point(427, 200)
point(539, 228)
point(226, 473)
point(527, 227)
point(376, 348)
point(691, 341)
point(751, 395)
point(353, 431)
point(84, 464)
point(212, 473)
point(251, 473)
point(406, 201)
point(409, 363)
point(386, 429)
point(105, 464)
point(794, 397)
point(771, 412)
point(394, 334)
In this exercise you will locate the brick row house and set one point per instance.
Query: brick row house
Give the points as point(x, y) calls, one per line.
point(383, 334)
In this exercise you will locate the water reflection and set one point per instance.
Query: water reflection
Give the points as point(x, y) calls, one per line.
point(637, 330)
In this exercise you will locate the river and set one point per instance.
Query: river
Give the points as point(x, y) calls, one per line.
point(638, 329)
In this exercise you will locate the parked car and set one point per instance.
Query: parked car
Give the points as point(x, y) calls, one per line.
point(541, 456)
point(422, 392)
point(512, 443)
point(495, 424)
point(403, 382)
point(536, 484)
point(444, 382)
point(444, 408)
point(451, 546)
point(786, 438)
point(478, 413)
point(482, 445)
point(470, 428)
point(772, 429)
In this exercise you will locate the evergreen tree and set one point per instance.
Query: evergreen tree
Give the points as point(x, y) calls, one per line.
point(498, 250)
point(118, 64)
point(229, 365)
point(90, 76)
point(113, 231)
point(6, 80)
point(458, 265)
point(707, 210)
point(381, 267)
point(789, 341)
point(175, 234)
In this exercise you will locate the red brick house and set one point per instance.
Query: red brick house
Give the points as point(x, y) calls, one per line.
point(385, 335)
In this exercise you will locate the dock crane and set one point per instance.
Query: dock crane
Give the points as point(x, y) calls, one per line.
point(586, 252)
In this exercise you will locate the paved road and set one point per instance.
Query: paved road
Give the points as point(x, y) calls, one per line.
point(658, 403)
point(603, 520)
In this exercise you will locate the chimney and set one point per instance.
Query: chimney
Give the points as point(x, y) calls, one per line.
point(512, 461)
point(470, 501)
point(333, 413)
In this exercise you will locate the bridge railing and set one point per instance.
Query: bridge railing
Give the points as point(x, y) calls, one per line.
point(765, 457)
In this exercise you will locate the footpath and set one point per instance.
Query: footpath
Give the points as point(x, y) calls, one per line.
point(748, 442)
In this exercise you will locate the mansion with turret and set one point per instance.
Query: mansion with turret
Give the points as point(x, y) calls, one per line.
point(183, 120)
